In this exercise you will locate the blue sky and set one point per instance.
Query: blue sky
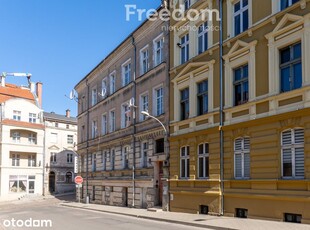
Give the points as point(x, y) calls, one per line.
point(60, 41)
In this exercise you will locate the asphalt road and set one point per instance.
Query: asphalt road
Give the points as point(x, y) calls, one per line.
point(63, 218)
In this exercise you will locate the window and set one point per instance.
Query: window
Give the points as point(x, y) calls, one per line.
point(241, 16)
point(126, 74)
point(56, 124)
point(16, 115)
point(104, 125)
point(94, 162)
point(184, 48)
point(144, 59)
point(94, 97)
point(32, 117)
point(104, 88)
point(53, 158)
point(203, 37)
point(159, 101)
point(158, 50)
point(112, 163)
point(287, 3)
point(187, 4)
point(31, 160)
point(293, 218)
point(242, 158)
point(293, 153)
point(18, 183)
point(69, 177)
point(16, 137)
point(202, 98)
point(203, 160)
point(94, 129)
point(67, 126)
point(125, 116)
point(184, 104)
point(112, 83)
point(112, 121)
point(241, 85)
point(290, 67)
point(125, 157)
point(32, 138)
point(144, 150)
point(241, 213)
point(69, 158)
point(69, 139)
point(15, 160)
point(160, 145)
point(184, 162)
point(104, 160)
point(54, 137)
point(144, 100)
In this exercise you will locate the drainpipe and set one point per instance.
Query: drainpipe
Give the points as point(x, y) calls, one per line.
point(221, 211)
point(134, 122)
point(44, 145)
point(87, 144)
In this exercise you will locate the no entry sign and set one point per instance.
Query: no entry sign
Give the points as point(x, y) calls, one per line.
point(78, 180)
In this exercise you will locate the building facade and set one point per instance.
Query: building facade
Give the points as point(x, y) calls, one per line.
point(60, 153)
point(21, 145)
point(121, 151)
point(266, 110)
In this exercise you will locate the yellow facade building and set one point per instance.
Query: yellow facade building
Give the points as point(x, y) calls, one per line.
point(266, 110)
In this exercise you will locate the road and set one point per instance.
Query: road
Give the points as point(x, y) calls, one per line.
point(63, 218)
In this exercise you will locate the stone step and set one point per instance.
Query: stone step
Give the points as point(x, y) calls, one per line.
point(155, 209)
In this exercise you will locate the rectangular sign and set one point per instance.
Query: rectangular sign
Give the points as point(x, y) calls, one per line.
point(76, 170)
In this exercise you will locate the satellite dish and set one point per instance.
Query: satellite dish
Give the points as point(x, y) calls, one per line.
point(73, 94)
point(131, 102)
point(103, 92)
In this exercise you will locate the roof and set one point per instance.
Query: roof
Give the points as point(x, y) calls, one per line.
point(14, 91)
point(58, 117)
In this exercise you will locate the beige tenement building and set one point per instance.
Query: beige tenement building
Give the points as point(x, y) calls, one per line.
point(266, 111)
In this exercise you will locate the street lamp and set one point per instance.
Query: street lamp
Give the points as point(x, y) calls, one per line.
point(165, 192)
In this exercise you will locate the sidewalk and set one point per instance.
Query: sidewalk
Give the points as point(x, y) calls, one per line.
point(204, 221)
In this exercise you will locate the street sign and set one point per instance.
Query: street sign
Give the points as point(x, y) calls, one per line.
point(78, 180)
point(75, 164)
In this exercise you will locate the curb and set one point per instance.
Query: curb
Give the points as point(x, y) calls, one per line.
point(151, 218)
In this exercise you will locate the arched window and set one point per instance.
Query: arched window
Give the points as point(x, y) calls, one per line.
point(69, 177)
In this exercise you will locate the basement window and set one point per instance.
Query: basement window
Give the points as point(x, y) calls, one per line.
point(203, 209)
point(160, 145)
point(241, 213)
point(293, 218)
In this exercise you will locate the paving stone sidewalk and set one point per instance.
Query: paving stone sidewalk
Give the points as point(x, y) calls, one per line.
point(204, 221)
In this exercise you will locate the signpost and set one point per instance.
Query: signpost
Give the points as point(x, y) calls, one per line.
point(79, 180)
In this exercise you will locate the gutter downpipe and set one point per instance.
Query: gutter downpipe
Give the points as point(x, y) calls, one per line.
point(221, 113)
point(87, 137)
point(134, 123)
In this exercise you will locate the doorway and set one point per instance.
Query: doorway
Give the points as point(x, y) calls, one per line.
point(51, 182)
point(160, 187)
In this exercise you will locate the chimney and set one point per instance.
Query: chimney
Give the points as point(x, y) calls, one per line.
point(39, 93)
point(68, 113)
point(2, 81)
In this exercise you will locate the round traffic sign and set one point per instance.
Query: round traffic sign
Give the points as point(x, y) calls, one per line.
point(78, 180)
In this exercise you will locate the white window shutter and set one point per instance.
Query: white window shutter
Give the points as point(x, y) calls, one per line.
point(299, 162)
point(238, 165)
point(246, 145)
point(238, 144)
point(247, 160)
point(299, 136)
point(287, 156)
point(287, 137)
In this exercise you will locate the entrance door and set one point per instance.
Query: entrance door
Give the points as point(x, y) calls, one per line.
point(51, 182)
point(31, 186)
point(160, 176)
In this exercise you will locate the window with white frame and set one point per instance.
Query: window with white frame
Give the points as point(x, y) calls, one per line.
point(144, 105)
point(202, 97)
point(203, 160)
point(32, 138)
point(290, 67)
point(144, 151)
point(126, 73)
point(112, 160)
point(144, 60)
point(94, 128)
point(17, 115)
point(203, 37)
point(292, 145)
point(158, 50)
point(159, 101)
point(241, 16)
point(241, 85)
point(242, 158)
point(287, 3)
point(125, 157)
point(112, 83)
point(94, 97)
point(184, 46)
point(112, 121)
point(184, 104)
point(32, 117)
point(94, 162)
point(53, 158)
point(184, 162)
point(104, 89)
point(104, 124)
point(54, 138)
point(16, 137)
point(69, 158)
point(70, 139)
point(31, 160)
point(15, 159)
point(125, 116)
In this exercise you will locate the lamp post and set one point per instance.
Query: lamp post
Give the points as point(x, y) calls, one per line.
point(166, 197)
